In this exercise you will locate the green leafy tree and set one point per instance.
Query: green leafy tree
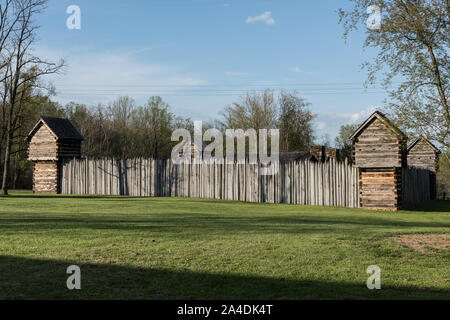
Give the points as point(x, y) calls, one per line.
point(443, 176)
point(295, 122)
point(343, 142)
point(155, 124)
point(413, 49)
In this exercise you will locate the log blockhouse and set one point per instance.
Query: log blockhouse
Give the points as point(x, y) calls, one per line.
point(422, 154)
point(49, 142)
point(379, 152)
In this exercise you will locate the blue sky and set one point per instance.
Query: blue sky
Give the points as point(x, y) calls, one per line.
point(201, 55)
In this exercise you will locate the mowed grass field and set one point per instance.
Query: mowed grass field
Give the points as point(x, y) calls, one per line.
point(173, 248)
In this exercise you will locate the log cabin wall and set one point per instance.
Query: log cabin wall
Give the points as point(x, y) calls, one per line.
point(378, 146)
point(43, 151)
point(379, 151)
point(43, 146)
point(69, 149)
point(51, 141)
point(318, 152)
point(46, 177)
point(380, 189)
point(422, 154)
point(332, 153)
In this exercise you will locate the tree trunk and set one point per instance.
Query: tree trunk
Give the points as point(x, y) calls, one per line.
point(15, 175)
point(437, 78)
point(6, 165)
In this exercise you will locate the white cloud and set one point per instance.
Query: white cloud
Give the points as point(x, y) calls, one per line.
point(295, 69)
point(330, 122)
point(362, 115)
point(92, 77)
point(355, 117)
point(266, 17)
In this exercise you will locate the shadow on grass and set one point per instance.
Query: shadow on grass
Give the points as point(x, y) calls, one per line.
point(432, 206)
point(428, 206)
point(24, 278)
point(55, 196)
point(210, 222)
point(193, 223)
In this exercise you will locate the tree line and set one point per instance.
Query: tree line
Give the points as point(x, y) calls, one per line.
point(124, 129)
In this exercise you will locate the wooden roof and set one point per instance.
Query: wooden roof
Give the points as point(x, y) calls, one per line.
point(380, 116)
point(61, 128)
point(436, 150)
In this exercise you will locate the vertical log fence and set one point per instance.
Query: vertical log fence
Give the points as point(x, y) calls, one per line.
point(330, 183)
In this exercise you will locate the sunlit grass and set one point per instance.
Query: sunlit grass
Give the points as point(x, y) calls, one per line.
point(159, 248)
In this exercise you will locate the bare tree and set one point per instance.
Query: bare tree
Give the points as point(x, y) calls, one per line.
point(254, 110)
point(20, 70)
point(288, 112)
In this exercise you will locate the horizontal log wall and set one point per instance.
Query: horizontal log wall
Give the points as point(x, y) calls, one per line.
point(379, 188)
point(423, 156)
point(43, 145)
point(69, 149)
point(45, 177)
point(297, 182)
point(378, 147)
point(394, 188)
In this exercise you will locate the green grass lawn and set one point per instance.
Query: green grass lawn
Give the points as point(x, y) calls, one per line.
point(169, 248)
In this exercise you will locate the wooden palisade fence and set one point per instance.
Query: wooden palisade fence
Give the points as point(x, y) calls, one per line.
point(331, 183)
point(416, 186)
point(386, 175)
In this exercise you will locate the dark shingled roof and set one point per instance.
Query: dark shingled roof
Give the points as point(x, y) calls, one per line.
point(63, 129)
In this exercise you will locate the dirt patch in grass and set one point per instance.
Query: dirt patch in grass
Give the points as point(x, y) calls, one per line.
point(424, 243)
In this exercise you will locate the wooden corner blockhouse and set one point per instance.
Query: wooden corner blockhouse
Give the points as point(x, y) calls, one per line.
point(379, 152)
point(50, 141)
point(422, 154)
